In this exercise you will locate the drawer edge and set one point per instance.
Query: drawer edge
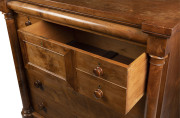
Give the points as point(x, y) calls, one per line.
point(137, 75)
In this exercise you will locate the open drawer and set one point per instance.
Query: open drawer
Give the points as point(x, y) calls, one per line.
point(89, 62)
point(41, 51)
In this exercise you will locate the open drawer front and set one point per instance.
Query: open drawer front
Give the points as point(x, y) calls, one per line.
point(109, 71)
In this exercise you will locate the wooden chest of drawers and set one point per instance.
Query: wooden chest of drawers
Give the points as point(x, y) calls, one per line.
point(81, 59)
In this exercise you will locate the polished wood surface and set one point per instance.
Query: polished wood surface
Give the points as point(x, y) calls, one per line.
point(153, 90)
point(43, 37)
point(58, 92)
point(61, 94)
point(21, 76)
point(116, 59)
point(172, 87)
point(81, 22)
point(121, 71)
point(36, 115)
point(137, 74)
point(125, 48)
point(22, 19)
point(38, 49)
point(3, 6)
point(46, 59)
point(109, 94)
point(52, 59)
point(152, 15)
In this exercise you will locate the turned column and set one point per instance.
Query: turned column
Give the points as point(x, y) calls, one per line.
point(154, 85)
point(27, 110)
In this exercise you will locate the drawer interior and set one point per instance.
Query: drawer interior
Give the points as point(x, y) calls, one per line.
point(104, 53)
point(119, 50)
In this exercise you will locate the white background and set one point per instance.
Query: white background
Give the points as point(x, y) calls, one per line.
point(10, 100)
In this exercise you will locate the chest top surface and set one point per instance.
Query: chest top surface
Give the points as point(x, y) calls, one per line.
point(159, 15)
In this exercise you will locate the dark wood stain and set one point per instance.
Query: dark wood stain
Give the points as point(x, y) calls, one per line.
point(119, 45)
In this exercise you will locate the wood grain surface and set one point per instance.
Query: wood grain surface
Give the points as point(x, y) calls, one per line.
point(96, 85)
point(53, 54)
point(152, 15)
point(81, 22)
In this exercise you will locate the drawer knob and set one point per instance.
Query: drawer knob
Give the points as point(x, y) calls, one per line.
point(38, 84)
point(27, 23)
point(98, 93)
point(98, 71)
point(42, 106)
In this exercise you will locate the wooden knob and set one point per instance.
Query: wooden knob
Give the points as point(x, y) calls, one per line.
point(42, 106)
point(98, 93)
point(38, 84)
point(27, 23)
point(98, 71)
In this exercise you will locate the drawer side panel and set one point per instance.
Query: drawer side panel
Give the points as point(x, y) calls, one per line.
point(137, 74)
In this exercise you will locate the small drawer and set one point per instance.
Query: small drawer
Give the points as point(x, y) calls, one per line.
point(47, 35)
point(123, 74)
point(102, 91)
point(39, 50)
point(48, 108)
point(111, 95)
